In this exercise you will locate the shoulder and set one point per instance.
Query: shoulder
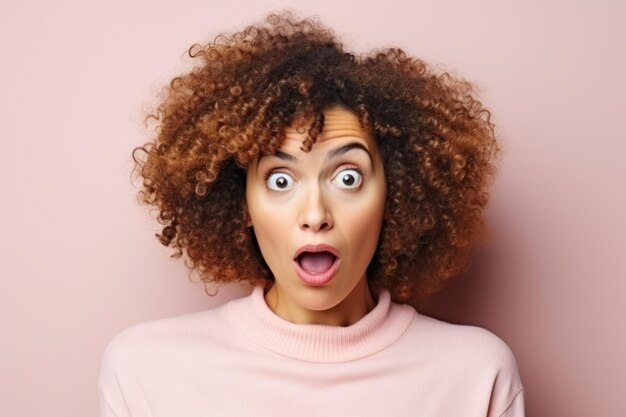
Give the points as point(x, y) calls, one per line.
point(464, 346)
point(144, 352)
point(471, 356)
point(468, 338)
point(164, 334)
point(144, 349)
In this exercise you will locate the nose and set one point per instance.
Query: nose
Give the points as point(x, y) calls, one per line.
point(315, 214)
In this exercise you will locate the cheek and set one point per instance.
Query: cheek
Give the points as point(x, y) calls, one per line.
point(362, 222)
point(266, 237)
point(265, 224)
point(258, 209)
point(270, 226)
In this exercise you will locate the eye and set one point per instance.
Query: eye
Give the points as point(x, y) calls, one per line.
point(349, 178)
point(278, 181)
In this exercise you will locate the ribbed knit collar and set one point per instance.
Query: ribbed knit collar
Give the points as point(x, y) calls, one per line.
point(375, 331)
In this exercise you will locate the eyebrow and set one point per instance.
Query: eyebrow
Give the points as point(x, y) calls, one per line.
point(330, 155)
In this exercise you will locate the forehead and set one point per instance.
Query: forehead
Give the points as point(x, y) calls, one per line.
point(339, 123)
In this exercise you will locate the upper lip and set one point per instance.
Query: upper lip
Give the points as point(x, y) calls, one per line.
point(321, 247)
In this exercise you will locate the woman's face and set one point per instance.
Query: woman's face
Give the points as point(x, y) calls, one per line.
point(333, 195)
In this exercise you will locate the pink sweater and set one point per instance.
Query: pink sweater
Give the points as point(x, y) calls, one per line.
point(241, 359)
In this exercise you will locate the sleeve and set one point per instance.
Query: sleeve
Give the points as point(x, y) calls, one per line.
point(112, 402)
point(516, 408)
point(105, 408)
point(507, 394)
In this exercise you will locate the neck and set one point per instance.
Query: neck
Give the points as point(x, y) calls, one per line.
point(349, 311)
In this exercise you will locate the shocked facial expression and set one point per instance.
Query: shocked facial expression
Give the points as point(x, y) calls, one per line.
point(317, 217)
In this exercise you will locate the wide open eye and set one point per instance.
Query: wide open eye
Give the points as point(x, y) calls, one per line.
point(350, 178)
point(278, 181)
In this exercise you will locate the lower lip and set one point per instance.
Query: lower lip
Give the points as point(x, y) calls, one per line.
point(317, 280)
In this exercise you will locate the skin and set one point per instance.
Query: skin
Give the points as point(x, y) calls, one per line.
point(313, 200)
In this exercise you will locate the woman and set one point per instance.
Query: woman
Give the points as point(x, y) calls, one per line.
point(344, 188)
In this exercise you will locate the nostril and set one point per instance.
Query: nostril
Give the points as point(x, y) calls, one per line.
point(323, 226)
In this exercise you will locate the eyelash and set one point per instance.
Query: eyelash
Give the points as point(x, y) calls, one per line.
point(268, 173)
point(357, 169)
point(277, 170)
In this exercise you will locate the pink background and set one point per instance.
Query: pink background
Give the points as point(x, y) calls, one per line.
point(79, 261)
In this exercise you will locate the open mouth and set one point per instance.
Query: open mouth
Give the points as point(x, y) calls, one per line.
point(316, 262)
point(316, 268)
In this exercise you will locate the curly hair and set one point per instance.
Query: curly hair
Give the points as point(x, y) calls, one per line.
point(437, 141)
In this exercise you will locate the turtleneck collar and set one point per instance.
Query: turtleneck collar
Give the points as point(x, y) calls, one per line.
point(375, 331)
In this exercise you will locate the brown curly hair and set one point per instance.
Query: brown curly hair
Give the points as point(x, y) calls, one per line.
point(436, 138)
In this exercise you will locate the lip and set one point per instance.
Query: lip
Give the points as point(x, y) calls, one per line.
point(316, 280)
point(321, 247)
